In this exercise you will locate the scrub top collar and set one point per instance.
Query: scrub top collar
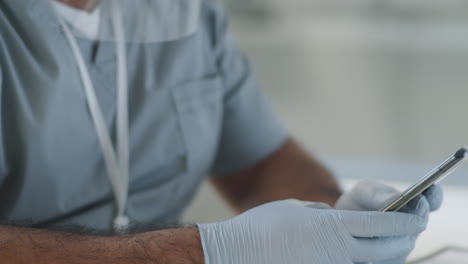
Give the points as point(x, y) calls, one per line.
point(42, 11)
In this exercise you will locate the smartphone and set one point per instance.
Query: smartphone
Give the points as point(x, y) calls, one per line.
point(437, 174)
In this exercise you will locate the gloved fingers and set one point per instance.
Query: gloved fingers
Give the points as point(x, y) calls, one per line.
point(399, 260)
point(380, 224)
point(434, 196)
point(322, 206)
point(419, 206)
point(309, 204)
point(381, 249)
point(367, 196)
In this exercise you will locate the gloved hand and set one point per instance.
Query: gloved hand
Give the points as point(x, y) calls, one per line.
point(373, 196)
point(296, 232)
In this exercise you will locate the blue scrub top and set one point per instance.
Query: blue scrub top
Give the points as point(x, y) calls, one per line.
point(195, 110)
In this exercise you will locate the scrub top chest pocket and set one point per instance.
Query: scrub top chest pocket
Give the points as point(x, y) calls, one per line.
point(199, 108)
point(174, 136)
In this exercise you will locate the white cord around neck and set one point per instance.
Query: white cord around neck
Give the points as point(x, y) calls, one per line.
point(117, 163)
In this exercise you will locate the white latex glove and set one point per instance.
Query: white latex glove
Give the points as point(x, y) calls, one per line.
point(373, 196)
point(295, 232)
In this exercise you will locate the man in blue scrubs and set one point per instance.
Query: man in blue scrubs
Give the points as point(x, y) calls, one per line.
point(113, 112)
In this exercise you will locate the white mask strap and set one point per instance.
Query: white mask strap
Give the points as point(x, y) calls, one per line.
point(118, 169)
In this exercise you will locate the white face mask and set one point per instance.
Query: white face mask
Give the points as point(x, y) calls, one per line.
point(85, 23)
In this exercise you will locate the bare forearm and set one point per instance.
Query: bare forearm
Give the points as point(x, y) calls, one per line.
point(288, 173)
point(25, 245)
point(295, 174)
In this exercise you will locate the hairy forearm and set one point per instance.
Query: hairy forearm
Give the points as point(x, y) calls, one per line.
point(289, 173)
point(26, 245)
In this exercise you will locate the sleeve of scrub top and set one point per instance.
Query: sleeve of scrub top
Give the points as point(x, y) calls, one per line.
point(250, 130)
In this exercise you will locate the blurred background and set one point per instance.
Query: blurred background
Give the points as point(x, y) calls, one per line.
point(376, 89)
